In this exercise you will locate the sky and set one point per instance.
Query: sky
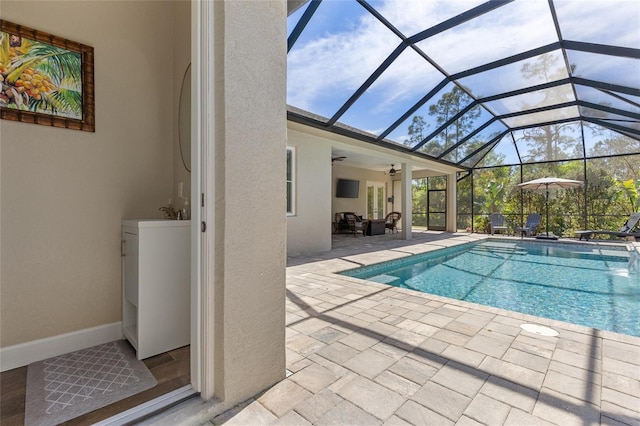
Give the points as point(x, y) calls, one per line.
point(344, 44)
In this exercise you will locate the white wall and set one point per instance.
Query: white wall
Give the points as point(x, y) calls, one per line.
point(309, 231)
point(64, 192)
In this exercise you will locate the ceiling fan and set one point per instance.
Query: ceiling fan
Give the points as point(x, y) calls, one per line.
point(392, 171)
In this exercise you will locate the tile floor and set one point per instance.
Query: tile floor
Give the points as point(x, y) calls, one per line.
point(361, 353)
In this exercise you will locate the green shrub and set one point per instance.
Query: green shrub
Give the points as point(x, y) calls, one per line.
point(481, 224)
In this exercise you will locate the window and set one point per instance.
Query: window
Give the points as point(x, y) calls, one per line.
point(291, 188)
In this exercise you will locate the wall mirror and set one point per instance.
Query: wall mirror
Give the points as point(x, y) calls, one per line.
point(184, 119)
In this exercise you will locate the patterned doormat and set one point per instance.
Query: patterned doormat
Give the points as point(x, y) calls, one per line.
point(67, 386)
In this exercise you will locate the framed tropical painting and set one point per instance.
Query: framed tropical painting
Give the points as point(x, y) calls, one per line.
point(45, 79)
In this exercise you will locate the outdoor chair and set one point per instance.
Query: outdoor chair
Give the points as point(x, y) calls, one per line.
point(531, 225)
point(497, 222)
point(627, 230)
point(391, 221)
point(340, 224)
point(356, 224)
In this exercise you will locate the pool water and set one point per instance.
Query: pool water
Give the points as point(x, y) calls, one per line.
point(580, 284)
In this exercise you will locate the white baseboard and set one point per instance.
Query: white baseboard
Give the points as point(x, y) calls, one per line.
point(37, 350)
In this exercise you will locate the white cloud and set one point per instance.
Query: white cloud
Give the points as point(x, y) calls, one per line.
point(508, 30)
point(343, 61)
point(614, 23)
point(324, 72)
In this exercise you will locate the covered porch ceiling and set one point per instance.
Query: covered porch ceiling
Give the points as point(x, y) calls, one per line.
point(353, 152)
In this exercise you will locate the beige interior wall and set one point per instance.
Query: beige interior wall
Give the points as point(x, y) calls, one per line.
point(65, 192)
point(181, 61)
point(250, 209)
point(309, 230)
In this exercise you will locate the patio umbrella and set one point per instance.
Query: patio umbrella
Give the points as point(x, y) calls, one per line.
point(549, 183)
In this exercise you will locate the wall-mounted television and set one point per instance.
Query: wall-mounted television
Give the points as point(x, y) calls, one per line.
point(347, 188)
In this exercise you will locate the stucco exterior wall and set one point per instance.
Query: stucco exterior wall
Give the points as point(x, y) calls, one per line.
point(309, 230)
point(64, 192)
point(250, 143)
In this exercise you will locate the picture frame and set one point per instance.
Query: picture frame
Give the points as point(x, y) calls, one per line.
point(45, 79)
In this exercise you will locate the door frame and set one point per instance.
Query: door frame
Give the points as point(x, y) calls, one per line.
point(202, 180)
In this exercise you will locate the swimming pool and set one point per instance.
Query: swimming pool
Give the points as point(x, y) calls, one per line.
point(581, 284)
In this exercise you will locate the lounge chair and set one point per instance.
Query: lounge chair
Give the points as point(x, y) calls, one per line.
point(627, 230)
point(391, 221)
point(498, 223)
point(531, 225)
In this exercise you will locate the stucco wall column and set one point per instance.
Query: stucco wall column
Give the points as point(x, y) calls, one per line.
point(249, 196)
point(452, 215)
point(407, 200)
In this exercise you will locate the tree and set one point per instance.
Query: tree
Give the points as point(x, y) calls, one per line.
point(551, 142)
point(487, 155)
point(615, 190)
point(416, 130)
point(444, 110)
point(495, 194)
point(463, 200)
point(622, 167)
point(419, 202)
point(491, 189)
point(630, 190)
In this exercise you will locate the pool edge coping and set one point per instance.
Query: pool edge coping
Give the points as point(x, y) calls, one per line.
point(316, 268)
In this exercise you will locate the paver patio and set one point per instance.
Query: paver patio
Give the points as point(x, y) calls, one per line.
point(362, 353)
